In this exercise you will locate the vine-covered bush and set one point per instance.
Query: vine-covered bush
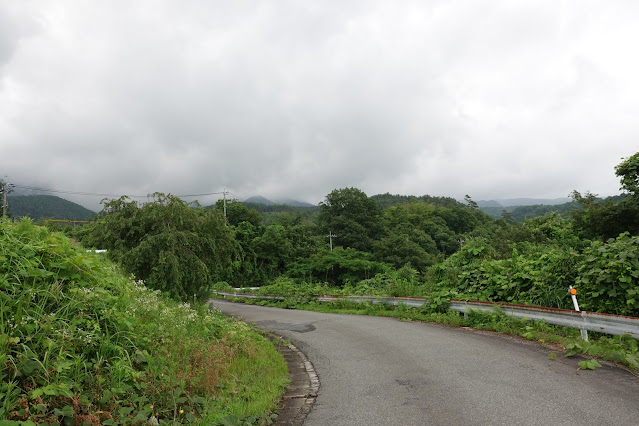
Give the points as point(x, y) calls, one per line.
point(608, 276)
point(535, 273)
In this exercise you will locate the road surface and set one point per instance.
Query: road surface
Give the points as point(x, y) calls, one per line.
point(381, 371)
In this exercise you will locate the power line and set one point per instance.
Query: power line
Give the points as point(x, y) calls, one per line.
point(97, 194)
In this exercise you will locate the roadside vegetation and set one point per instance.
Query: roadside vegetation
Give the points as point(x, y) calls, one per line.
point(83, 343)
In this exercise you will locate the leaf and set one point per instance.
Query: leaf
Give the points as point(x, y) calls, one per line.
point(590, 364)
point(125, 411)
point(593, 350)
point(67, 411)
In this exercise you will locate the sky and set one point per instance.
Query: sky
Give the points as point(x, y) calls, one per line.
point(292, 98)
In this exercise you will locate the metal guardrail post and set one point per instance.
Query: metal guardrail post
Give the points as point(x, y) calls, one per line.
point(573, 295)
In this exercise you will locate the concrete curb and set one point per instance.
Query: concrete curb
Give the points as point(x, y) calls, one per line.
point(298, 400)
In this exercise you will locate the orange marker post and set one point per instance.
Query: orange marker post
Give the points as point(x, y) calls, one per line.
point(573, 295)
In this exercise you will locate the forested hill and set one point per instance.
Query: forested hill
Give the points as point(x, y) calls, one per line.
point(388, 200)
point(521, 213)
point(46, 206)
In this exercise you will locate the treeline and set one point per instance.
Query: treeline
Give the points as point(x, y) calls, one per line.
point(422, 245)
point(521, 213)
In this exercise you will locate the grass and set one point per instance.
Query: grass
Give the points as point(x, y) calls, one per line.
point(82, 343)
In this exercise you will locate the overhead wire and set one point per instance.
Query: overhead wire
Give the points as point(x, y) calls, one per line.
point(97, 194)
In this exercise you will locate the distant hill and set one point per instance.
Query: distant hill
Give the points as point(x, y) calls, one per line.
point(294, 203)
point(508, 202)
point(257, 199)
point(521, 213)
point(388, 200)
point(46, 206)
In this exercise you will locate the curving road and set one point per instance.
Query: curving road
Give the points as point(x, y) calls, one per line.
point(380, 371)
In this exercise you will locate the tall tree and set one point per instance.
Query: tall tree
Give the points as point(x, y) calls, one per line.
point(628, 171)
point(351, 215)
point(167, 243)
point(609, 218)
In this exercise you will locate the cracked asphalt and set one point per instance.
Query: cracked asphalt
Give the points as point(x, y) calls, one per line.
point(381, 371)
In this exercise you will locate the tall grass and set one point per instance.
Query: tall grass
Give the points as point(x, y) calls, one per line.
point(81, 343)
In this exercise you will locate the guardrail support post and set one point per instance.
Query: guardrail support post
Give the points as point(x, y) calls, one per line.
point(573, 295)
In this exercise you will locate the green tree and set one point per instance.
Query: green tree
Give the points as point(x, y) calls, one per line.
point(628, 171)
point(352, 216)
point(605, 219)
point(237, 213)
point(470, 203)
point(169, 244)
point(339, 266)
point(615, 215)
point(273, 250)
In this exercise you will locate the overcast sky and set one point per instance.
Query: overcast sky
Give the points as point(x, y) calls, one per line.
point(292, 99)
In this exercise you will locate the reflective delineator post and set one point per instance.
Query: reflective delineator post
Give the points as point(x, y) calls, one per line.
point(573, 295)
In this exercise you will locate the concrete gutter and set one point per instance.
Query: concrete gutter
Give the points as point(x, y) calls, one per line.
point(298, 400)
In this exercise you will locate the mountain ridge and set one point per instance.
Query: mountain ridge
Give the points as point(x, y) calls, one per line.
point(46, 206)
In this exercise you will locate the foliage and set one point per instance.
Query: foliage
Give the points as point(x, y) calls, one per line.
point(605, 219)
point(628, 171)
point(619, 349)
point(534, 273)
point(237, 213)
point(171, 246)
point(339, 266)
point(401, 282)
point(387, 200)
point(268, 253)
point(608, 276)
point(352, 216)
point(613, 216)
point(421, 234)
point(521, 213)
point(80, 343)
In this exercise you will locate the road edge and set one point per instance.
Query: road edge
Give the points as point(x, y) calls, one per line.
point(301, 394)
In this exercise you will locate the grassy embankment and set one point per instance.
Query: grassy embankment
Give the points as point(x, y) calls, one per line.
point(81, 343)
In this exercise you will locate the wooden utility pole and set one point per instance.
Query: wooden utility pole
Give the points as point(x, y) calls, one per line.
point(330, 239)
point(4, 199)
point(224, 195)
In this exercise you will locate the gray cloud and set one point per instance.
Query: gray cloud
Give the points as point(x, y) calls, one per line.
point(293, 99)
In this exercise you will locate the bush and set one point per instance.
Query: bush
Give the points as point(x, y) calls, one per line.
point(608, 276)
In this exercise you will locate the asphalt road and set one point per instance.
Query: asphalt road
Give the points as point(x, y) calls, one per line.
point(380, 371)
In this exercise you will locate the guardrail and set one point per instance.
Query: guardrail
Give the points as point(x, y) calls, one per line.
point(593, 321)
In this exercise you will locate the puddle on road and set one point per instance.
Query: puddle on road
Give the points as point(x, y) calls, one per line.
point(276, 325)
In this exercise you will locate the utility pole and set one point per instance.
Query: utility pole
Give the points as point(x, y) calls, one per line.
point(330, 239)
point(224, 195)
point(4, 199)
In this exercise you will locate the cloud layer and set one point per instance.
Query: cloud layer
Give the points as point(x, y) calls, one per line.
point(292, 99)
